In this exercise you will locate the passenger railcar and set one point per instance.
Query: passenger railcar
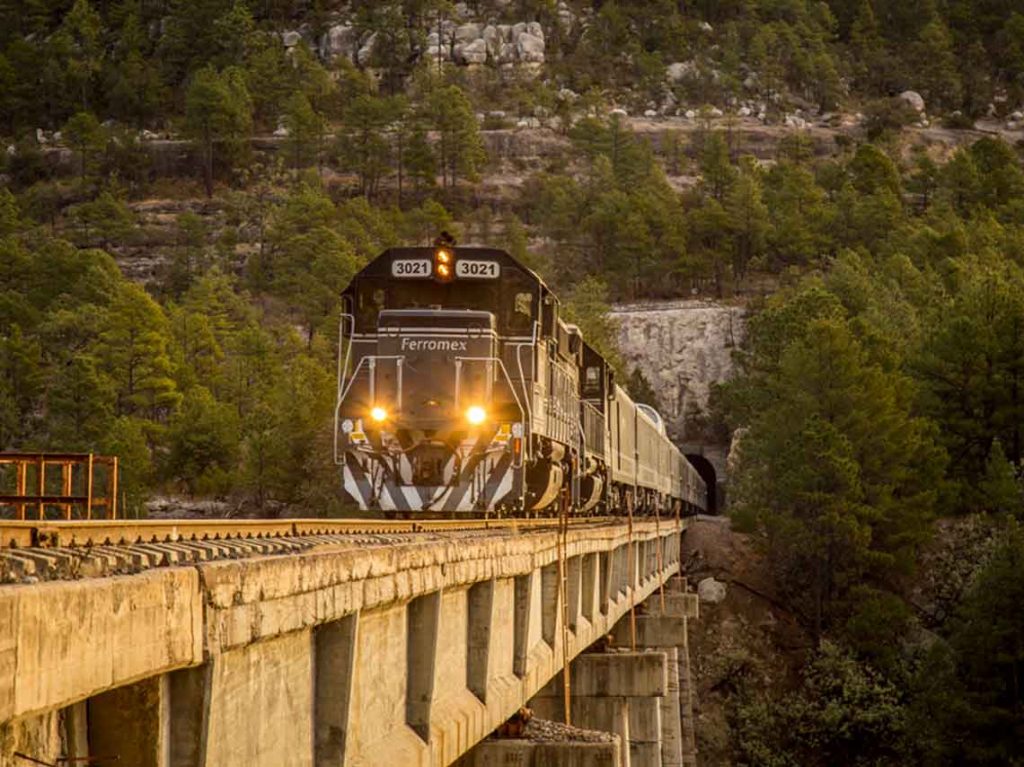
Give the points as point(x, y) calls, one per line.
point(461, 391)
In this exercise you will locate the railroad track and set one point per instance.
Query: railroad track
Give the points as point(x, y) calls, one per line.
point(81, 533)
point(41, 550)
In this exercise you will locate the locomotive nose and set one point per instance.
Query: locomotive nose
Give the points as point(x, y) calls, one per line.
point(438, 358)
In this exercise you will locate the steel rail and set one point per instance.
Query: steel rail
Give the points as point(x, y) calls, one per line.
point(16, 534)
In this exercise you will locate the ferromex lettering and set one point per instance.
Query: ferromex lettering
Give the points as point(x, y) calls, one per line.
point(433, 345)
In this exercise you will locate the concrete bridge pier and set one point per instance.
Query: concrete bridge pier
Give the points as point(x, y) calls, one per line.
point(662, 626)
point(618, 692)
point(523, 753)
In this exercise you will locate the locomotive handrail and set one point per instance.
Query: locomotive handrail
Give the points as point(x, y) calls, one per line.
point(371, 362)
point(343, 366)
point(596, 415)
point(373, 358)
point(522, 375)
point(399, 366)
point(342, 370)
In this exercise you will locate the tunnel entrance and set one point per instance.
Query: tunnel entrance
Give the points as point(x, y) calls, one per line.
point(706, 470)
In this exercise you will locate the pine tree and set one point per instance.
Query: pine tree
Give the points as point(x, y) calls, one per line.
point(132, 349)
point(872, 65)
point(102, 221)
point(80, 404)
point(959, 182)
point(1001, 489)
point(269, 80)
point(837, 476)
point(587, 307)
point(305, 131)
point(203, 437)
point(234, 35)
point(192, 39)
point(128, 440)
point(871, 171)
point(363, 145)
point(460, 149)
point(10, 216)
point(800, 214)
point(23, 377)
point(972, 368)
point(191, 254)
point(717, 173)
point(988, 652)
point(1001, 180)
point(218, 117)
point(135, 89)
point(85, 136)
point(83, 27)
point(8, 97)
point(935, 66)
point(748, 217)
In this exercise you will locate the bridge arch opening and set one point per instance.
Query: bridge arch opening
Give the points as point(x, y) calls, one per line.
point(707, 472)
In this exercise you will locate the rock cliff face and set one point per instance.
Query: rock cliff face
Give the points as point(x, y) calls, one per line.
point(468, 44)
point(682, 348)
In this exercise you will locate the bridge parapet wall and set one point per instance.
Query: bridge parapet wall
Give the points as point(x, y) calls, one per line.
point(356, 654)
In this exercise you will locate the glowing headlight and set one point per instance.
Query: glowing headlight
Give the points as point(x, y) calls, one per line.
point(379, 414)
point(476, 415)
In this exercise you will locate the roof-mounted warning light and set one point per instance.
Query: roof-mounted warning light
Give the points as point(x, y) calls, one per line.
point(444, 264)
point(444, 257)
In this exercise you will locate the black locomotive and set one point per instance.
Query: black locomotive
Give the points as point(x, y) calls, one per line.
point(462, 392)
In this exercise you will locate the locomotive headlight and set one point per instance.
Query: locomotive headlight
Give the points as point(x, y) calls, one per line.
point(379, 414)
point(476, 415)
point(347, 426)
point(443, 262)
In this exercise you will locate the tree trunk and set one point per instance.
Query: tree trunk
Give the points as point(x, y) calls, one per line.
point(400, 153)
point(208, 163)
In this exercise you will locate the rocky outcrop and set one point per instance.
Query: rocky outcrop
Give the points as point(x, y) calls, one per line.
point(468, 44)
point(913, 99)
point(949, 565)
point(340, 40)
point(711, 591)
point(683, 348)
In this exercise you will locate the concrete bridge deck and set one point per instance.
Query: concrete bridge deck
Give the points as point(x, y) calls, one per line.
point(386, 649)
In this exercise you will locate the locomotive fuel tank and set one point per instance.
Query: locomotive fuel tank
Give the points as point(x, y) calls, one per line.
point(591, 487)
point(545, 477)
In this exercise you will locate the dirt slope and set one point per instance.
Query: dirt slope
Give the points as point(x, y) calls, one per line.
point(745, 637)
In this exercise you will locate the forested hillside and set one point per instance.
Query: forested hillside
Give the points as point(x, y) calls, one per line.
point(134, 61)
point(251, 156)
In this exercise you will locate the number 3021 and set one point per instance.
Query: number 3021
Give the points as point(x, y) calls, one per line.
point(410, 268)
point(480, 270)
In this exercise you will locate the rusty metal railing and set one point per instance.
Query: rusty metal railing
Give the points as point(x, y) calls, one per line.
point(58, 486)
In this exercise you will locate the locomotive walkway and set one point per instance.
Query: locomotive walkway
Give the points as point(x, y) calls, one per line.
point(177, 645)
